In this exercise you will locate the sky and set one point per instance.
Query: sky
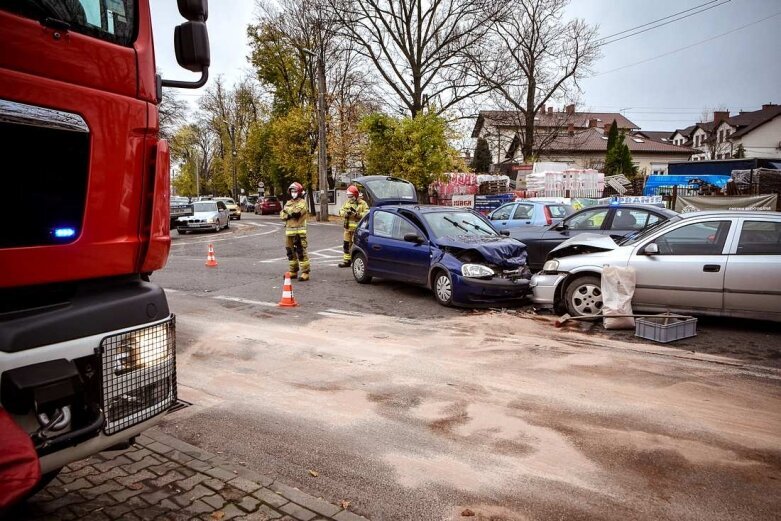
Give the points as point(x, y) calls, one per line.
point(737, 66)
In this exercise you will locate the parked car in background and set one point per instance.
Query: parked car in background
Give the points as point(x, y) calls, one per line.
point(179, 207)
point(268, 204)
point(609, 220)
point(529, 213)
point(249, 203)
point(233, 209)
point(208, 215)
point(702, 263)
point(453, 251)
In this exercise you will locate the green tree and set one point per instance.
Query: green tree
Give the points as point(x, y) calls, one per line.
point(481, 162)
point(280, 66)
point(415, 149)
point(291, 141)
point(619, 159)
point(740, 152)
point(612, 136)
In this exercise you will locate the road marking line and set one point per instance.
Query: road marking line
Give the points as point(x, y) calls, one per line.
point(318, 252)
point(223, 238)
point(345, 312)
point(245, 301)
point(260, 225)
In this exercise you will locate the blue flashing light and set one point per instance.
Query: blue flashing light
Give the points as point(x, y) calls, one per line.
point(64, 233)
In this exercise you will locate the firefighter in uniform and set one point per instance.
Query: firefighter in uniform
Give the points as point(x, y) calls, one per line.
point(294, 214)
point(352, 211)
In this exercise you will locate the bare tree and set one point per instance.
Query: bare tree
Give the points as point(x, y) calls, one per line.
point(173, 113)
point(418, 46)
point(531, 58)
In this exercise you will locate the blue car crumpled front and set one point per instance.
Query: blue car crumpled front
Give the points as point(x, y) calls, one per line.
point(507, 253)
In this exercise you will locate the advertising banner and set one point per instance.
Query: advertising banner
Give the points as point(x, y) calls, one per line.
point(762, 203)
point(465, 201)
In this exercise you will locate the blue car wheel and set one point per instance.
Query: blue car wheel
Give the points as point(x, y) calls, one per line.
point(359, 269)
point(443, 288)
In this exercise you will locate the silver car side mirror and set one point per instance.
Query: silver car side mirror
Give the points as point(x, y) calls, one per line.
point(651, 249)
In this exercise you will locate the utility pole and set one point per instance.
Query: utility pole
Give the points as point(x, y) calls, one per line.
point(232, 134)
point(321, 153)
point(322, 170)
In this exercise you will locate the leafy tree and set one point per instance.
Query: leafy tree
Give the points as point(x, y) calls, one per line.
point(481, 162)
point(619, 159)
point(612, 135)
point(415, 149)
point(740, 152)
point(291, 141)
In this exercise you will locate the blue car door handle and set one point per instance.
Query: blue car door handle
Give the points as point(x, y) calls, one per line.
point(376, 247)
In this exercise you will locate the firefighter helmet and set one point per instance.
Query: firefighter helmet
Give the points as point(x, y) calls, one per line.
point(352, 190)
point(296, 186)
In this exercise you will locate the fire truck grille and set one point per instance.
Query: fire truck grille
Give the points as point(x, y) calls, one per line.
point(138, 375)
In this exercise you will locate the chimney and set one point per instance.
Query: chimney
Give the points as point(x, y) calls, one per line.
point(606, 128)
point(766, 106)
point(571, 129)
point(543, 108)
point(592, 123)
point(719, 116)
point(550, 111)
point(570, 109)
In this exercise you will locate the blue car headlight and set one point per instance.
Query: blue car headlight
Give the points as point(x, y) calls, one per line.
point(476, 271)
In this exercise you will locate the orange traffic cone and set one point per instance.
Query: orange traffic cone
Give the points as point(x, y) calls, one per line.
point(211, 261)
point(288, 301)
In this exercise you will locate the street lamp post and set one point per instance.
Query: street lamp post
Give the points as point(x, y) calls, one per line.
point(321, 149)
point(232, 134)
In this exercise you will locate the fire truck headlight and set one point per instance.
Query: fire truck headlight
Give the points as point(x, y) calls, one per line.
point(144, 348)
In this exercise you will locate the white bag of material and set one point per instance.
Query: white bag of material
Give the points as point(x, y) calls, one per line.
point(618, 288)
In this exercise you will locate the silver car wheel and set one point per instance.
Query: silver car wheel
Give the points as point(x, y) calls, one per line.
point(443, 288)
point(586, 299)
point(359, 268)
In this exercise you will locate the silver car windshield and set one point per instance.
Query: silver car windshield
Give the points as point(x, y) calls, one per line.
point(205, 207)
point(457, 223)
point(638, 236)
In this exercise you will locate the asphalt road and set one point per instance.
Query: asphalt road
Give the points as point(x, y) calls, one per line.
point(414, 411)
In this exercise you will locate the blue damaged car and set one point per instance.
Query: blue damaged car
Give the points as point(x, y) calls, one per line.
point(455, 252)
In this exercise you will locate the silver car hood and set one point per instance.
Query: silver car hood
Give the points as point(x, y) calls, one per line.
point(583, 244)
point(199, 215)
point(589, 241)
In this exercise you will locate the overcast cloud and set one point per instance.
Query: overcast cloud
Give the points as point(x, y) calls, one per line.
point(740, 70)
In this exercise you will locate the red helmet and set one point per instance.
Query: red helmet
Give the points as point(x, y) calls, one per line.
point(352, 190)
point(296, 186)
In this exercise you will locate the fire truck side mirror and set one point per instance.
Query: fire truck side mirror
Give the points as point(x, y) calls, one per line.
point(194, 10)
point(191, 43)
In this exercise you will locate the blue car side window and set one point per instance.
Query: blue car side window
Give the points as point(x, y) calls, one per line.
point(383, 224)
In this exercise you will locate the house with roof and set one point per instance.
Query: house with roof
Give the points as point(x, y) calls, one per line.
point(574, 137)
point(759, 133)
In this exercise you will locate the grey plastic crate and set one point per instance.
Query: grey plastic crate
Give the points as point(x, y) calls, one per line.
point(665, 329)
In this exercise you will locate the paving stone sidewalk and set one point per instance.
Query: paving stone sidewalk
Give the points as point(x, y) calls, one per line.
point(163, 478)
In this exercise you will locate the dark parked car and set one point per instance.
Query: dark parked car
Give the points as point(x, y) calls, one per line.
point(268, 204)
point(453, 251)
point(613, 220)
point(180, 207)
point(249, 203)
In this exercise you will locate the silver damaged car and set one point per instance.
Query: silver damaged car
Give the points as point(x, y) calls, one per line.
point(704, 263)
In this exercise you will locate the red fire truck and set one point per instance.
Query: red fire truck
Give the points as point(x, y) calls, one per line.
point(87, 343)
